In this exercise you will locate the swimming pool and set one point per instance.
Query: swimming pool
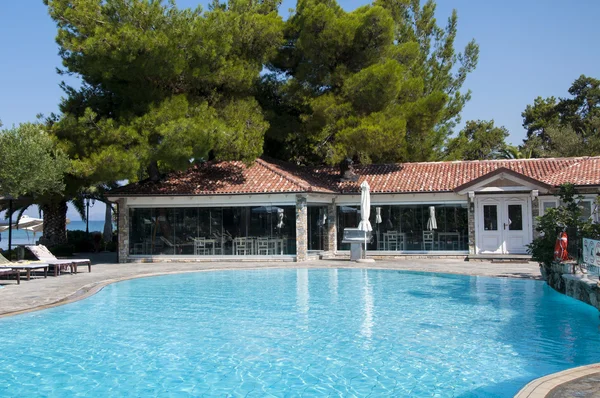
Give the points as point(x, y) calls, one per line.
point(299, 332)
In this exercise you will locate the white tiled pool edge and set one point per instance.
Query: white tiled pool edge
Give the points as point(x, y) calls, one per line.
point(539, 388)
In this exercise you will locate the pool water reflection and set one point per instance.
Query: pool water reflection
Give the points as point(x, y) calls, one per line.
point(292, 332)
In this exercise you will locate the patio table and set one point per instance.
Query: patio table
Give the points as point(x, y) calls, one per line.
point(444, 237)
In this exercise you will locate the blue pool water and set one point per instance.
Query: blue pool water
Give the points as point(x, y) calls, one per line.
point(299, 333)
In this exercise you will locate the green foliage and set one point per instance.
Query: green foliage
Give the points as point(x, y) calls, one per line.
point(515, 152)
point(568, 126)
point(30, 164)
point(479, 140)
point(161, 86)
point(566, 217)
point(379, 84)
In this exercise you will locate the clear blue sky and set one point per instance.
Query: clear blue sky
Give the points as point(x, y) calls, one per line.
point(529, 48)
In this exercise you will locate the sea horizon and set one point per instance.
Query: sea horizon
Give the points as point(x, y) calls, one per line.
point(20, 237)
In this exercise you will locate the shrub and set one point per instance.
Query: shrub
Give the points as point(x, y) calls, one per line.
point(80, 241)
point(566, 217)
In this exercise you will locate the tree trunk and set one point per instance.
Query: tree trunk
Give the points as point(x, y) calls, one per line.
point(55, 223)
point(153, 171)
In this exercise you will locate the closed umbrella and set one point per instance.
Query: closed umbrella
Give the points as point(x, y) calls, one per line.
point(432, 222)
point(378, 221)
point(365, 210)
point(279, 218)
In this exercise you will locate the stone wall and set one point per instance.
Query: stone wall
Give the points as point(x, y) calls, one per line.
point(123, 250)
point(535, 212)
point(471, 225)
point(565, 278)
point(331, 238)
point(301, 229)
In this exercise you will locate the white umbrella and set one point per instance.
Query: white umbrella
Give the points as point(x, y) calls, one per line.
point(432, 222)
point(365, 210)
point(26, 221)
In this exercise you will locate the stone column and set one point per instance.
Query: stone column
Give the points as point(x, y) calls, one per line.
point(331, 238)
point(301, 229)
point(123, 243)
point(535, 212)
point(471, 224)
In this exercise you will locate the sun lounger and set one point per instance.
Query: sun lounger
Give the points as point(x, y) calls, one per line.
point(43, 254)
point(9, 272)
point(23, 267)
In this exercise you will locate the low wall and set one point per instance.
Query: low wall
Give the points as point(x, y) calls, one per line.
point(568, 279)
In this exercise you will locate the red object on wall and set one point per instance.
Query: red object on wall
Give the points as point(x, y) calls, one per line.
point(560, 248)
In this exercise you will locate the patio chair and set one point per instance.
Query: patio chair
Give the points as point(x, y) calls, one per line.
point(218, 244)
point(392, 241)
point(200, 248)
point(265, 246)
point(43, 254)
point(26, 267)
point(427, 240)
point(243, 246)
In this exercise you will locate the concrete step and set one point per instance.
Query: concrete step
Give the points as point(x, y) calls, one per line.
point(500, 258)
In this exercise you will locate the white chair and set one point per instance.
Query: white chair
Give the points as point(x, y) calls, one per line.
point(242, 246)
point(200, 247)
point(265, 246)
point(392, 240)
point(218, 244)
point(427, 240)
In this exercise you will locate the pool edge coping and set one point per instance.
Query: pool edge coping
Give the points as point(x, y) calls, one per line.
point(541, 387)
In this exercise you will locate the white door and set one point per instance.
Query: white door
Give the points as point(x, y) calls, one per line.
point(516, 226)
point(490, 239)
point(503, 225)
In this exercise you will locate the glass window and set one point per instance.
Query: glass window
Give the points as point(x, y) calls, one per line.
point(347, 217)
point(409, 227)
point(547, 204)
point(256, 230)
point(490, 217)
point(515, 217)
point(317, 227)
point(586, 209)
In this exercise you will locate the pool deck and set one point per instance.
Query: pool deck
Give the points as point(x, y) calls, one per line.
point(40, 293)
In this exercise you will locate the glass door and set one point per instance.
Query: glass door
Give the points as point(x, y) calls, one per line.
point(490, 231)
point(515, 225)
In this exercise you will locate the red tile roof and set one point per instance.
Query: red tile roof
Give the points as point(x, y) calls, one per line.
point(213, 178)
point(278, 177)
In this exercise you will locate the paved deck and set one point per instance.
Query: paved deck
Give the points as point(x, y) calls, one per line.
point(580, 382)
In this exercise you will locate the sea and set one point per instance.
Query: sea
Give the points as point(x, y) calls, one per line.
point(20, 237)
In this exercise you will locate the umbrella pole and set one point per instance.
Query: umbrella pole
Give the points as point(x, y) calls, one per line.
point(10, 213)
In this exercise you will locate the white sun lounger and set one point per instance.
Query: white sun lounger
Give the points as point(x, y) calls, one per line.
point(43, 254)
point(23, 267)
